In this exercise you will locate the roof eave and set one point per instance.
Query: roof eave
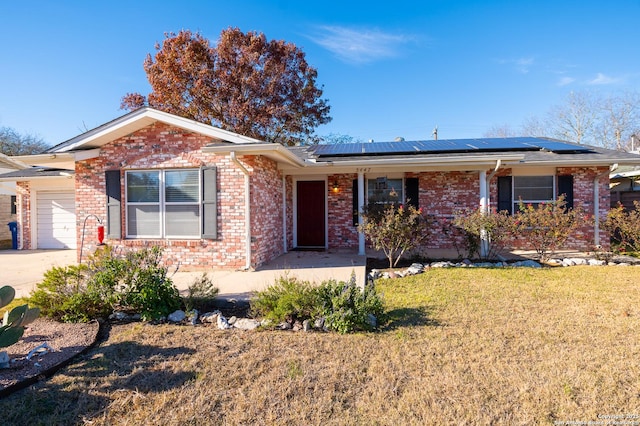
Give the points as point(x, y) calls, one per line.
point(274, 151)
point(140, 119)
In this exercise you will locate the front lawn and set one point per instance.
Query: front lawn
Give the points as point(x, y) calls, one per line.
point(463, 346)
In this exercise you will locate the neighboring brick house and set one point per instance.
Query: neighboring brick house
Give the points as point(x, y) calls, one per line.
point(215, 199)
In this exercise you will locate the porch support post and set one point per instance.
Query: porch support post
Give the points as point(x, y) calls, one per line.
point(361, 251)
point(484, 239)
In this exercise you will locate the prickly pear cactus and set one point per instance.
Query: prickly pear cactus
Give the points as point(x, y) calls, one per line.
point(14, 321)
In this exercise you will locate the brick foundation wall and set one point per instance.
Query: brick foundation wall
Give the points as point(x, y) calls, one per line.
point(160, 146)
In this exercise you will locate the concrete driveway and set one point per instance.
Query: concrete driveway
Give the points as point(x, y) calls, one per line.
point(23, 269)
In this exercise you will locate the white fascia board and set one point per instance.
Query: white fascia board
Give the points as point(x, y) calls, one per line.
point(411, 164)
point(47, 160)
point(86, 154)
point(274, 151)
point(69, 175)
point(140, 119)
point(12, 162)
point(605, 162)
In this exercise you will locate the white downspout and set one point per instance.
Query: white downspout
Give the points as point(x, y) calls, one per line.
point(484, 243)
point(284, 214)
point(488, 183)
point(596, 204)
point(247, 210)
point(361, 245)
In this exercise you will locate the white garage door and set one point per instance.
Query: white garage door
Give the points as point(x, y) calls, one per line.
point(56, 220)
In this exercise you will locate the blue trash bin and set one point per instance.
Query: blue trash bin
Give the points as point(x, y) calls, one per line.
point(13, 227)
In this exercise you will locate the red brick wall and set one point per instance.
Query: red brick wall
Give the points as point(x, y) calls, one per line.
point(442, 194)
point(161, 146)
point(342, 233)
point(266, 210)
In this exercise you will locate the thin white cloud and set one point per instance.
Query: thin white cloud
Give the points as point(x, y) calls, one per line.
point(602, 79)
point(565, 81)
point(359, 46)
point(522, 65)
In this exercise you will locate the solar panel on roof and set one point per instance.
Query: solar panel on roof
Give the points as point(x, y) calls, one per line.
point(447, 146)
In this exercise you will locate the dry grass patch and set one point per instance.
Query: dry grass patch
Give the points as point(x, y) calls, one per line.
point(474, 346)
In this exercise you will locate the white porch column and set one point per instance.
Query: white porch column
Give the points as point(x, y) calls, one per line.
point(361, 250)
point(484, 240)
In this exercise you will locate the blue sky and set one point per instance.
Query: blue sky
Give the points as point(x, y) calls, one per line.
point(388, 68)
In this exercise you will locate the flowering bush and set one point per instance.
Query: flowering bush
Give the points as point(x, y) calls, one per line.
point(394, 229)
point(492, 228)
point(624, 226)
point(547, 226)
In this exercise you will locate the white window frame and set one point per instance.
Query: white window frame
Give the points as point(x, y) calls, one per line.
point(388, 178)
point(162, 205)
point(516, 200)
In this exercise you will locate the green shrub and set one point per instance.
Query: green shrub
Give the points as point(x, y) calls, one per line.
point(145, 287)
point(54, 293)
point(347, 308)
point(343, 305)
point(134, 281)
point(289, 299)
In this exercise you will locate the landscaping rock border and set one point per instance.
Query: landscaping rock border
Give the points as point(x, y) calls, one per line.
point(418, 268)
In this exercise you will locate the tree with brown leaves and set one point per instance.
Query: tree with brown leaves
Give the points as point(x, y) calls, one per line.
point(245, 84)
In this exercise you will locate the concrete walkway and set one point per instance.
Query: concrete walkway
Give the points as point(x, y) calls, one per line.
point(23, 269)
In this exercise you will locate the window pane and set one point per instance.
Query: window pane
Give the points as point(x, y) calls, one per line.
point(143, 220)
point(383, 190)
point(182, 186)
point(533, 188)
point(182, 221)
point(143, 187)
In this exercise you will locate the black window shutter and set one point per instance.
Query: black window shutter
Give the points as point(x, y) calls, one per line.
point(565, 186)
point(354, 191)
point(505, 194)
point(113, 190)
point(209, 203)
point(412, 194)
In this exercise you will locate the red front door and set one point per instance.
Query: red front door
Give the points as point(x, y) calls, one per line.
point(310, 213)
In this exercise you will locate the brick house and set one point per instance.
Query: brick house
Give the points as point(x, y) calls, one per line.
point(213, 198)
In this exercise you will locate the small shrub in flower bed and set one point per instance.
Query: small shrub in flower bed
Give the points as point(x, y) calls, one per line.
point(340, 306)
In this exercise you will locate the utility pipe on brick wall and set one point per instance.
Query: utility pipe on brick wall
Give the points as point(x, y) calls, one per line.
point(596, 204)
point(247, 209)
point(488, 183)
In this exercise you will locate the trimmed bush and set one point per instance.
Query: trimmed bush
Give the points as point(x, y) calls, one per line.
point(289, 299)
